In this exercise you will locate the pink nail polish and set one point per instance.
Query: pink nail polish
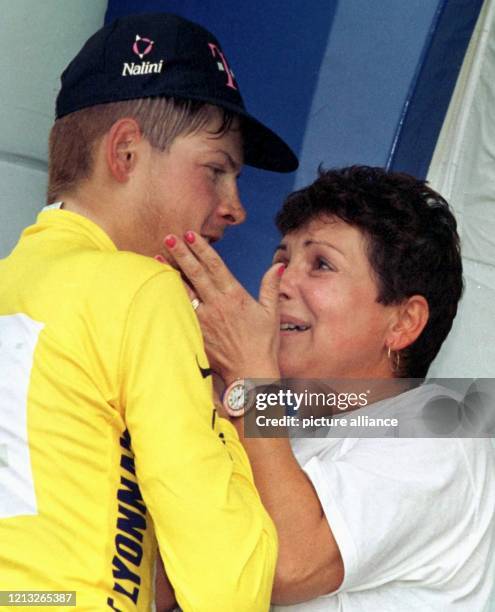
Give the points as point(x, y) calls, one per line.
point(160, 258)
point(170, 241)
point(281, 270)
point(190, 237)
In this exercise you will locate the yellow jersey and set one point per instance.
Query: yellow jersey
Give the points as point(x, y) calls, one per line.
point(108, 435)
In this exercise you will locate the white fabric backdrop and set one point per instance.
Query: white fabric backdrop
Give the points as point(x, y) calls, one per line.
point(463, 171)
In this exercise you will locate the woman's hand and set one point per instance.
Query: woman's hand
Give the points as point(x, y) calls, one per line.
point(241, 334)
point(241, 338)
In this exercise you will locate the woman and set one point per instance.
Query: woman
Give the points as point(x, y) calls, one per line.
point(365, 285)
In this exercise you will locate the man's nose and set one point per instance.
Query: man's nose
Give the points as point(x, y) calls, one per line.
point(232, 209)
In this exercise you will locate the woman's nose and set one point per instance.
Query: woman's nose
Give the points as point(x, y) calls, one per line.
point(288, 282)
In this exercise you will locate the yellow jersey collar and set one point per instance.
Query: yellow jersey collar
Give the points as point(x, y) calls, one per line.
point(55, 215)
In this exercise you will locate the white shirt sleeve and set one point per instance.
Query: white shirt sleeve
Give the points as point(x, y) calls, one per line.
point(399, 509)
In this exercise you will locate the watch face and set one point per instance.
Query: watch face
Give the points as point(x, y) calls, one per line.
point(236, 398)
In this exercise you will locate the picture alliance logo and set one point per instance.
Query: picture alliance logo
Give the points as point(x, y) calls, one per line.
point(142, 47)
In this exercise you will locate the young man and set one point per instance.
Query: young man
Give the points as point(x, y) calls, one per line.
point(108, 433)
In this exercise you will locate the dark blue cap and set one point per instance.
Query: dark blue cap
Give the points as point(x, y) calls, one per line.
point(142, 56)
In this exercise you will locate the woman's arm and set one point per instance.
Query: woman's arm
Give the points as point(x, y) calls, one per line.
point(309, 562)
point(241, 339)
point(164, 592)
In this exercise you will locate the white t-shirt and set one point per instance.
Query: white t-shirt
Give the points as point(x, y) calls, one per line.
point(414, 518)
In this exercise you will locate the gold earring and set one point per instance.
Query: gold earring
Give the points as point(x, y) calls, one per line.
point(394, 359)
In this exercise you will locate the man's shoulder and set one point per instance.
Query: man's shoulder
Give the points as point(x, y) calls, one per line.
point(134, 268)
point(122, 275)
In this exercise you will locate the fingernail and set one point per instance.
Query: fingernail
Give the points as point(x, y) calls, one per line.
point(160, 258)
point(190, 237)
point(170, 241)
point(281, 270)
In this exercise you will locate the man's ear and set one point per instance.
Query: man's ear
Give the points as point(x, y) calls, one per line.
point(411, 318)
point(122, 144)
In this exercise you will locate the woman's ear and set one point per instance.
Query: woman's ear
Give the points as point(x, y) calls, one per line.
point(122, 143)
point(412, 317)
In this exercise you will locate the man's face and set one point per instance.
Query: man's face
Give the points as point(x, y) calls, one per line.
point(192, 186)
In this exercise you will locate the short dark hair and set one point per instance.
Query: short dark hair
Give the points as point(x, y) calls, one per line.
point(412, 243)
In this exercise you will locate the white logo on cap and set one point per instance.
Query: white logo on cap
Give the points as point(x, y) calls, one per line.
point(141, 47)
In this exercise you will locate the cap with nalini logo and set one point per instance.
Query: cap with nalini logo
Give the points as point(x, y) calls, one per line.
point(142, 56)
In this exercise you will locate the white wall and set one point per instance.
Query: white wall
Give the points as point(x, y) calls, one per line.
point(37, 40)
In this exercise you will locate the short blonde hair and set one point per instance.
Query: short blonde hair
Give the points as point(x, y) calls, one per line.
point(73, 137)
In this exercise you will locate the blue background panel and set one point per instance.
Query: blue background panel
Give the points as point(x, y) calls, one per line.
point(342, 82)
point(433, 86)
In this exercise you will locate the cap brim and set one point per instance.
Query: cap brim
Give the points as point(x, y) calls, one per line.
point(262, 148)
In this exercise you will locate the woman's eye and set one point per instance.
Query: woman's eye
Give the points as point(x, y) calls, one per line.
point(322, 264)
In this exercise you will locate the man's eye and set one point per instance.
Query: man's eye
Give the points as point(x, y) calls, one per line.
point(216, 171)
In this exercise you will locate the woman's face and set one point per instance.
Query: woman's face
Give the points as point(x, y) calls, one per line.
point(328, 291)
